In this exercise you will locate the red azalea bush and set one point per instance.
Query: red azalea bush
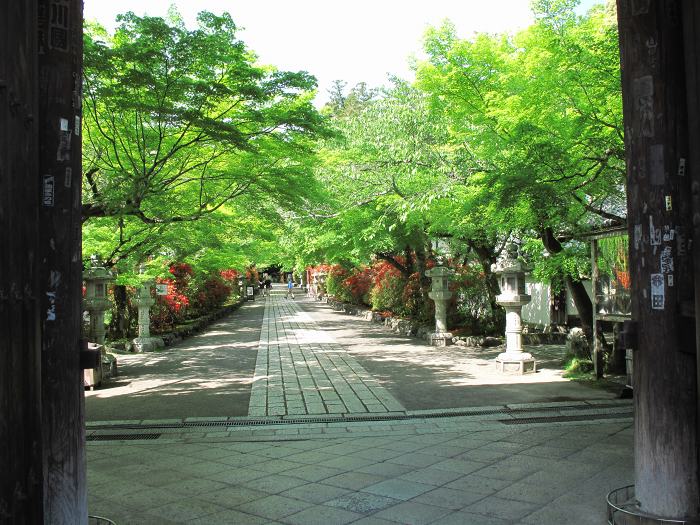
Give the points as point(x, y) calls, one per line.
point(169, 309)
point(387, 289)
point(190, 293)
point(359, 285)
point(211, 293)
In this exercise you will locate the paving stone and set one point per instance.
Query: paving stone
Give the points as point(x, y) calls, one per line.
point(315, 493)
point(233, 496)
point(504, 509)
point(229, 516)
point(322, 515)
point(431, 476)
point(401, 489)
point(363, 502)
point(313, 472)
point(274, 507)
point(449, 498)
point(353, 480)
point(273, 484)
point(185, 510)
point(413, 513)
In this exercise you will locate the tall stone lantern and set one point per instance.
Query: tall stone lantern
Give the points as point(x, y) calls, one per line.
point(97, 278)
point(143, 301)
point(440, 294)
point(511, 272)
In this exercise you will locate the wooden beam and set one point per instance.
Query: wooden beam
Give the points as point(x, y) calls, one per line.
point(659, 219)
point(60, 90)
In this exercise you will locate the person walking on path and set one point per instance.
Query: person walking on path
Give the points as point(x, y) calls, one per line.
point(268, 284)
point(290, 288)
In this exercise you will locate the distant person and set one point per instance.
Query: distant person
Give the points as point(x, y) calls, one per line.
point(268, 283)
point(261, 286)
point(290, 289)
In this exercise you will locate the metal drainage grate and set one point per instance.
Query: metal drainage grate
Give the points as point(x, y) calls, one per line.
point(120, 437)
point(368, 417)
point(560, 419)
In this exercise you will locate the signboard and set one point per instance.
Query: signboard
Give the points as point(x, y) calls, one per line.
point(249, 291)
point(161, 289)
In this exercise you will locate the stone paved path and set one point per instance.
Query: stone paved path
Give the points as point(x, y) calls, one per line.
point(483, 469)
point(301, 369)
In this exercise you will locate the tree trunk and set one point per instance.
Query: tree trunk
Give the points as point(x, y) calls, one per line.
point(121, 320)
point(575, 286)
point(487, 257)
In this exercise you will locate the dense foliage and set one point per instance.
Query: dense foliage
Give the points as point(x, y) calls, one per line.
point(195, 153)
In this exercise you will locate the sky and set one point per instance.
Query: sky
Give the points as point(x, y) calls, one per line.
point(358, 41)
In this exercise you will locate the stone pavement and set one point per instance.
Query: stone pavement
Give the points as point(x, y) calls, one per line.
point(300, 369)
point(528, 464)
point(321, 439)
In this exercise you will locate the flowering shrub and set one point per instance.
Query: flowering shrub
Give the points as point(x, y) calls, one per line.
point(211, 293)
point(387, 289)
point(230, 275)
point(335, 283)
point(359, 285)
point(169, 309)
point(190, 294)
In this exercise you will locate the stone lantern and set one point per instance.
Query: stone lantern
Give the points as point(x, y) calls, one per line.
point(440, 294)
point(511, 272)
point(97, 278)
point(143, 301)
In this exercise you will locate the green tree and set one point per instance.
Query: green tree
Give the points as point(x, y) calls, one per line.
point(179, 122)
point(537, 117)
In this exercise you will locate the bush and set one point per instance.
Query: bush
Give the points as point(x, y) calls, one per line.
point(170, 309)
point(473, 309)
point(335, 283)
point(211, 294)
point(387, 290)
point(359, 285)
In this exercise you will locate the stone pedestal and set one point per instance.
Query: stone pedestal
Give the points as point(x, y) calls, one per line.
point(440, 294)
point(512, 298)
point(143, 301)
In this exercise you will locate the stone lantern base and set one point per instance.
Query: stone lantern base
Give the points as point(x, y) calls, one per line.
point(147, 344)
point(440, 339)
point(518, 363)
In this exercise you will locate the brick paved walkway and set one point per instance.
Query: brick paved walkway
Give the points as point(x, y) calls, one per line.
point(302, 370)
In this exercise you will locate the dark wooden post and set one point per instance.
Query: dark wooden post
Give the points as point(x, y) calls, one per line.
point(659, 218)
point(60, 49)
point(42, 464)
point(691, 32)
point(21, 487)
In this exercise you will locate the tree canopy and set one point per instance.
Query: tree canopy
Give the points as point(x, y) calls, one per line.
point(182, 124)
